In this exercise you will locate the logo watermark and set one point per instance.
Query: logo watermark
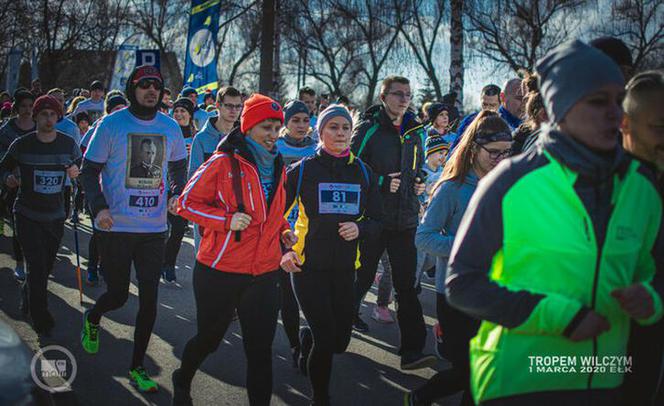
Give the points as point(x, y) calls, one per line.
point(570, 364)
point(53, 368)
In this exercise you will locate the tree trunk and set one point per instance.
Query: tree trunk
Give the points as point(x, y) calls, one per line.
point(266, 83)
point(456, 51)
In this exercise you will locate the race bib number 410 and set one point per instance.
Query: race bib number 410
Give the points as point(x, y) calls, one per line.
point(339, 198)
point(48, 182)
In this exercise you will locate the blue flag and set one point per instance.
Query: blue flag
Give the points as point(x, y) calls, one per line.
point(200, 68)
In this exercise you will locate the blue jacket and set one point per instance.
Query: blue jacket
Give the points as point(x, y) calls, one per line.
point(204, 145)
point(436, 232)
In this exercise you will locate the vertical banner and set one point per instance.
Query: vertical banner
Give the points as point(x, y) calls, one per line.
point(125, 60)
point(34, 65)
point(13, 69)
point(200, 68)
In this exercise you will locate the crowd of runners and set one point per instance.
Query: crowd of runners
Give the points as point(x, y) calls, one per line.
point(538, 218)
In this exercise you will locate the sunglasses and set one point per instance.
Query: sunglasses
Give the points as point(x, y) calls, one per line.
point(146, 83)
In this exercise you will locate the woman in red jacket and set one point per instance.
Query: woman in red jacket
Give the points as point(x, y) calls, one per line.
point(237, 198)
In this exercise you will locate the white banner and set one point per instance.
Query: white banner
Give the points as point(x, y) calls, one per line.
point(13, 69)
point(125, 61)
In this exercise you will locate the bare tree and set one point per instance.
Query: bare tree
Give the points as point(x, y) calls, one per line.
point(640, 23)
point(378, 24)
point(519, 32)
point(318, 35)
point(421, 31)
point(456, 50)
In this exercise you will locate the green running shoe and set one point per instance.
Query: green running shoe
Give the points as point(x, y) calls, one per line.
point(89, 335)
point(141, 380)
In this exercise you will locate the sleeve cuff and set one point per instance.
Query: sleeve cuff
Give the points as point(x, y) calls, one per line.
point(657, 304)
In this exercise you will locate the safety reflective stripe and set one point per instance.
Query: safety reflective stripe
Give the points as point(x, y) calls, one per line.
point(223, 249)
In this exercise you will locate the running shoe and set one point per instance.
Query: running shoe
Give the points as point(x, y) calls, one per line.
point(181, 395)
point(168, 274)
point(139, 378)
point(416, 360)
point(93, 277)
point(306, 342)
point(382, 315)
point(89, 335)
point(359, 325)
point(19, 272)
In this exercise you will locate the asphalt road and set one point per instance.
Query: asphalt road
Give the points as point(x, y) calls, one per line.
point(367, 374)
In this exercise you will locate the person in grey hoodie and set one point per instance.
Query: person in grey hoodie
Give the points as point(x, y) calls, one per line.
point(229, 106)
point(485, 143)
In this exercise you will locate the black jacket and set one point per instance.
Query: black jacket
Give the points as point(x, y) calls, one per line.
point(380, 145)
point(324, 181)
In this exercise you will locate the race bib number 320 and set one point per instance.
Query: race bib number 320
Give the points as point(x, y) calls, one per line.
point(339, 198)
point(48, 182)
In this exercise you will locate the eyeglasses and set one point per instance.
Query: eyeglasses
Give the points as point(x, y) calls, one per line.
point(230, 106)
point(146, 83)
point(402, 95)
point(496, 153)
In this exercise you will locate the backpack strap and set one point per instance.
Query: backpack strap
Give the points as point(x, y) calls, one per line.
point(237, 188)
point(365, 173)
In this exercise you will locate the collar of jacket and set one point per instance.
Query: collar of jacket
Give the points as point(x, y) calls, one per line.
point(591, 165)
point(329, 159)
point(304, 142)
point(377, 113)
point(513, 121)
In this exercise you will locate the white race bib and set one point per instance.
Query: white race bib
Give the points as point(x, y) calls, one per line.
point(144, 203)
point(339, 198)
point(48, 182)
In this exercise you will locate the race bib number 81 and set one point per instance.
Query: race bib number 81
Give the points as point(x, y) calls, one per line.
point(339, 198)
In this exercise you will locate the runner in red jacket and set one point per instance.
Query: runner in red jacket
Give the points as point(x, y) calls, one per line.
point(237, 197)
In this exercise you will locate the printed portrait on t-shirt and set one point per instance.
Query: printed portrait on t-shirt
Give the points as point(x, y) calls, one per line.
point(145, 160)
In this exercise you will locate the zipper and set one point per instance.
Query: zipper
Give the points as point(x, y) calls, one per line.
point(264, 205)
point(251, 196)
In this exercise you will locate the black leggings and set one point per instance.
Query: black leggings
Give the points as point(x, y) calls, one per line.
point(218, 294)
point(290, 311)
point(118, 251)
point(458, 329)
point(400, 246)
point(326, 299)
point(178, 226)
point(40, 241)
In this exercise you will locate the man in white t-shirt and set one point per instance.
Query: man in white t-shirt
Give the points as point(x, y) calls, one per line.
point(94, 106)
point(130, 212)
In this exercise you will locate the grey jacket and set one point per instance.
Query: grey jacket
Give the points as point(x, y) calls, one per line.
point(435, 234)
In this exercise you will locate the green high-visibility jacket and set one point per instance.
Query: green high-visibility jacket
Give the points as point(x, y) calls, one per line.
point(528, 262)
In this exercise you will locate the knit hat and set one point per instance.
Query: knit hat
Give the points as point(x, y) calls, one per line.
point(115, 101)
point(292, 108)
point(332, 111)
point(570, 72)
point(615, 49)
point(82, 116)
point(436, 108)
point(185, 104)
point(96, 85)
point(259, 108)
point(188, 90)
point(435, 144)
point(47, 102)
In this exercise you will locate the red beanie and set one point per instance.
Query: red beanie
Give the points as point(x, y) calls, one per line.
point(47, 102)
point(259, 108)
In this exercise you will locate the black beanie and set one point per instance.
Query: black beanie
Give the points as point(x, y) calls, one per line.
point(115, 101)
point(185, 104)
point(615, 49)
point(435, 109)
